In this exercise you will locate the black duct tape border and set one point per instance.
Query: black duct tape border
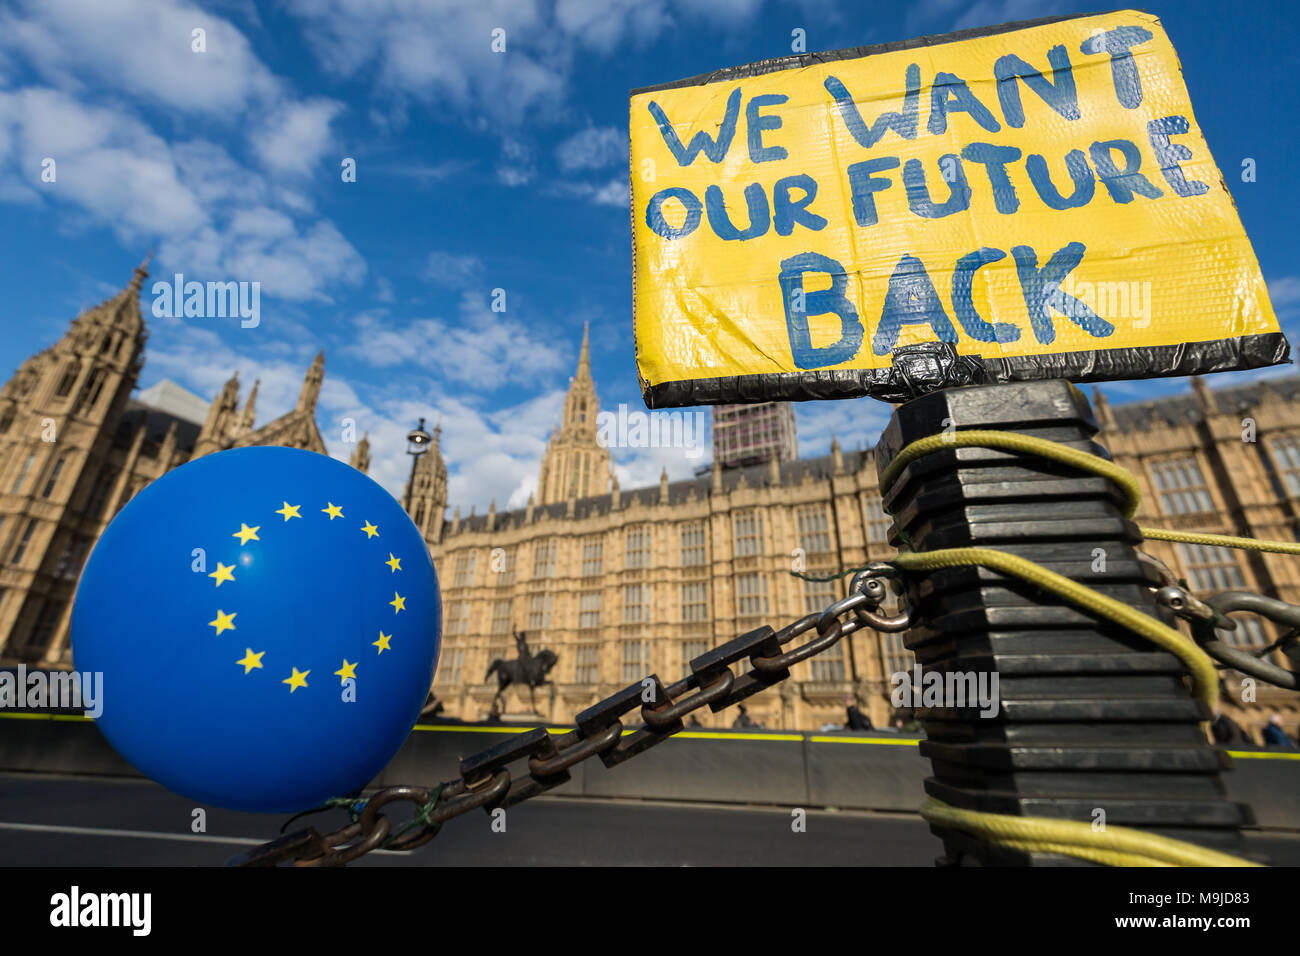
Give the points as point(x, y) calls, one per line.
point(799, 61)
point(886, 384)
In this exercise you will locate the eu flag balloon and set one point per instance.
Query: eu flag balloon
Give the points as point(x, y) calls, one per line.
point(266, 621)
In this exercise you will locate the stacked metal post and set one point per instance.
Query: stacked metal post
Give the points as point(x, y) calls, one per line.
point(1092, 717)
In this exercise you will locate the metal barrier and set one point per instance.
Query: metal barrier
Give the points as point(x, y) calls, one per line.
point(872, 770)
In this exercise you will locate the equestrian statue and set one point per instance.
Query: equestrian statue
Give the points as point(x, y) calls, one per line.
point(528, 668)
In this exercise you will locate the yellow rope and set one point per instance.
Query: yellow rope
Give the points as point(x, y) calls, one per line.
point(1027, 444)
point(1222, 540)
point(1113, 846)
point(1045, 448)
point(1198, 662)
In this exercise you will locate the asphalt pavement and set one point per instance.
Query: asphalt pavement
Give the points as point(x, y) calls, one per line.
point(96, 821)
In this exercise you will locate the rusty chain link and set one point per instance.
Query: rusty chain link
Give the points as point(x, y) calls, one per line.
point(486, 782)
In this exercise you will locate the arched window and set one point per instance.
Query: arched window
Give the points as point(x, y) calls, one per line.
point(69, 378)
point(94, 386)
point(7, 418)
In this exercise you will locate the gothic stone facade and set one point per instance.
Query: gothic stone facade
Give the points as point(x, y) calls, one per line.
point(75, 447)
point(622, 584)
point(619, 583)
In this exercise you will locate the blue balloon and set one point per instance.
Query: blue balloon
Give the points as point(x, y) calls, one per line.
point(267, 622)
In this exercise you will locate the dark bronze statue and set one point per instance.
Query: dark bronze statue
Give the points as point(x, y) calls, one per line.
point(528, 668)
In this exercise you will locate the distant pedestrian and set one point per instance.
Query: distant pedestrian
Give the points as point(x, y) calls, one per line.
point(743, 721)
point(857, 720)
point(1274, 735)
point(1227, 731)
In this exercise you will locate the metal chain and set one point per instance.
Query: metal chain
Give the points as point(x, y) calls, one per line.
point(487, 782)
point(1207, 618)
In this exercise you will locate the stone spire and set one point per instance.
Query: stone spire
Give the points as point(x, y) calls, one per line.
point(360, 459)
point(310, 393)
point(584, 355)
point(249, 414)
point(837, 457)
point(663, 486)
point(426, 491)
point(1101, 409)
point(140, 274)
point(1203, 397)
point(575, 464)
point(223, 419)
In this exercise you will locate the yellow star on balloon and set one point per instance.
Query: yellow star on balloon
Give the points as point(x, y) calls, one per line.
point(371, 530)
point(224, 621)
point(398, 602)
point(245, 533)
point(394, 563)
point(296, 679)
point(251, 659)
point(347, 670)
point(289, 511)
point(223, 573)
point(382, 643)
point(333, 510)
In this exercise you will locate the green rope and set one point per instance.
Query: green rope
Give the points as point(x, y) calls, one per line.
point(420, 818)
point(354, 806)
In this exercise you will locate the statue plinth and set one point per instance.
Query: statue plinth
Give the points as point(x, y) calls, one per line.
point(518, 718)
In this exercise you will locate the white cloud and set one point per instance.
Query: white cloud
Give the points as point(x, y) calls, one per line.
point(296, 135)
point(451, 270)
point(487, 351)
point(442, 54)
point(595, 147)
point(1284, 292)
point(602, 24)
point(947, 16)
point(641, 468)
point(142, 47)
point(177, 195)
point(856, 423)
point(489, 456)
point(105, 161)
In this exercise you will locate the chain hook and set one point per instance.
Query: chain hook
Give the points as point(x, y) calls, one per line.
point(871, 583)
point(1205, 633)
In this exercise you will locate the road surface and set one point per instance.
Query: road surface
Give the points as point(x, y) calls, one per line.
point(96, 821)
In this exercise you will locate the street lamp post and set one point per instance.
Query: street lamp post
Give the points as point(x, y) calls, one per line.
point(417, 443)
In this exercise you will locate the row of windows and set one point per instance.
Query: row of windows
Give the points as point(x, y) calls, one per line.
point(51, 480)
point(71, 557)
point(103, 484)
point(636, 664)
point(812, 522)
point(751, 601)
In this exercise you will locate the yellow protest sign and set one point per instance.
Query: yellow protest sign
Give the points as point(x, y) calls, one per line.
point(1038, 195)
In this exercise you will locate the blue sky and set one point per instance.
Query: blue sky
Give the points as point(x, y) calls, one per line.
point(475, 171)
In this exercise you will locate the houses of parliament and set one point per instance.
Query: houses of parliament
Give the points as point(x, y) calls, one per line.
point(619, 583)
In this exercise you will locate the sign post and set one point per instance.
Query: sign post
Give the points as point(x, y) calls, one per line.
point(968, 224)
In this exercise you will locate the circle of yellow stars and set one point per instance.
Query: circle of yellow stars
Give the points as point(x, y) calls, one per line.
point(225, 620)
